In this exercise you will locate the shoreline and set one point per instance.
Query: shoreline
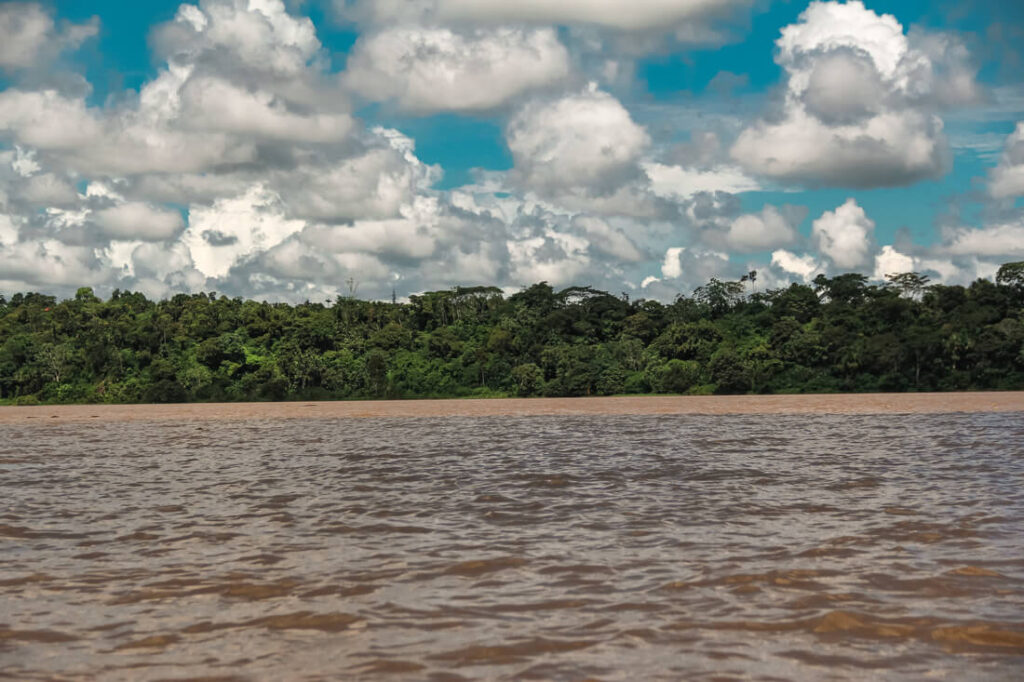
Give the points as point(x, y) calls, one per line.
point(842, 403)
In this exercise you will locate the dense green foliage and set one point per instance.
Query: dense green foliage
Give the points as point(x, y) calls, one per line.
point(838, 334)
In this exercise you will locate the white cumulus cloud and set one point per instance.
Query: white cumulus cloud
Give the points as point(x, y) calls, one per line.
point(218, 236)
point(136, 220)
point(436, 69)
point(685, 268)
point(749, 232)
point(678, 182)
point(861, 101)
point(804, 266)
point(247, 122)
point(555, 257)
point(374, 184)
point(586, 139)
point(889, 261)
point(619, 15)
point(1008, 177)
point(216, 105)
point(29, 36)
point(608, 240)
point(48, 189)
point(257, 36)
point(1004, 241)
point(672, 266)
point(844, 235)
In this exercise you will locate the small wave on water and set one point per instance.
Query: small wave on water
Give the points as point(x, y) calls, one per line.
point(773, 547)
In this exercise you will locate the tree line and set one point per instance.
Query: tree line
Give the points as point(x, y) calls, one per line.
point(836, 334)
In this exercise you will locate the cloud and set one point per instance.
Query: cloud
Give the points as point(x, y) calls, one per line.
point(162, 270)
point(48, 263)
point(413, 235)
point(298, 260)
point(1007, 179)
point(240, 165)
point(844, 235)
point(29, 38)
point(596, 248)
point(243, 84)
point(887, 150)
point(694, 265)
point(25, 29)
point(672, 266)
point(844, 87)
point(149, 138)
point(750, 232)
point(372, 177)
point(717, 221)
point(231, 229)
point(9, 231)
point(134, 220)
point(804, 266)
point(255, 37)
point(436, 69)
point(826, 26)
point(1005, 241)
point(607, 240)
point(375, 183)
point(677, 182)
point(685, 268)
point(619, 15)
point(287, 194)
point(586, 140)
point(889, 261)
point(216, 105)
point(47, 120)
point(630, 16)
point(557, 258)
point(252, 244)
point(47, 189)
point(861, 101)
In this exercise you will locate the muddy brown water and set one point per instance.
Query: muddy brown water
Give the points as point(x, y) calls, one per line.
point(865, 403)
point(557, 546)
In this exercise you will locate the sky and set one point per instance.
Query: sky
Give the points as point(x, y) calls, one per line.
point(293, 150)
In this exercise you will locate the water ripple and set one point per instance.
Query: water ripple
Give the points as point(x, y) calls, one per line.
point(521, 548)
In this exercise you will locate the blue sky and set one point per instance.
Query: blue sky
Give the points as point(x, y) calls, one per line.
point(270, 148)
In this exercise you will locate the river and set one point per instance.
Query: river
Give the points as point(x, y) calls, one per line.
point(772, 546)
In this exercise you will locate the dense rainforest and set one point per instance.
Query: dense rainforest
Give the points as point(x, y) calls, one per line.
point(836, 334)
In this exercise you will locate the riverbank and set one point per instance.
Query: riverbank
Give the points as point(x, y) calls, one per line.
point(868, 403)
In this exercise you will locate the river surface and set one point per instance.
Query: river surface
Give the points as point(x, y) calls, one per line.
point(630, 547)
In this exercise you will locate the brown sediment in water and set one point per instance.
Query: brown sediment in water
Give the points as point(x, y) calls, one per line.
point(761, 547)
point(861, 403)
